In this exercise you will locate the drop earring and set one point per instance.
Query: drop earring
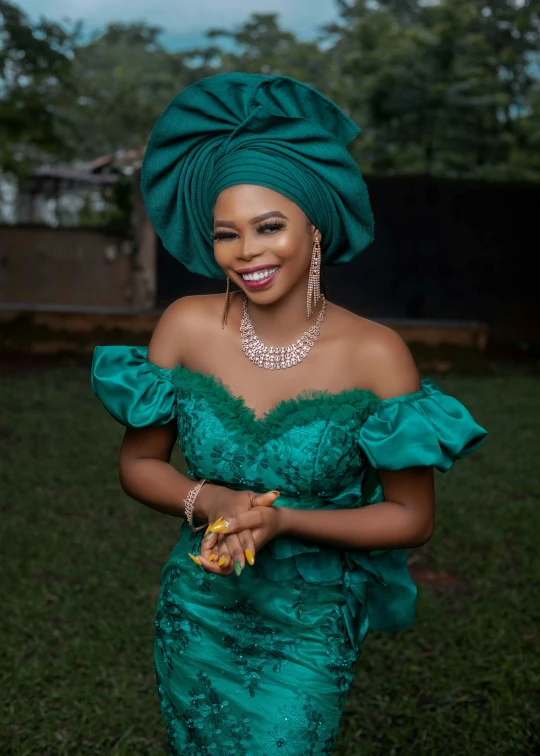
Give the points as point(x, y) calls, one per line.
point(314, 279)
point(227, 301)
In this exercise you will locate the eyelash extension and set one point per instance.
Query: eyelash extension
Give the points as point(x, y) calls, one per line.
point(272, 226)
point(223, 235)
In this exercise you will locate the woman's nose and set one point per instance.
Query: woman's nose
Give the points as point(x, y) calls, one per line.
point(249, 247)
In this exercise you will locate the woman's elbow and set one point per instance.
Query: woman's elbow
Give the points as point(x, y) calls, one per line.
point(423, 533)
point(129, 473)
point(125, 476)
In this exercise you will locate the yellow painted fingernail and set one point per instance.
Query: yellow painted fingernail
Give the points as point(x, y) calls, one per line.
point(249, 556)
point(212, 557)
point(195, 559)
point(222, 561)
point(219, 519)
point(209, 531)
point(220, 528)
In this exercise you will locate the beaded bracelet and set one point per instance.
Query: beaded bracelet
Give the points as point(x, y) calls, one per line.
point(189, 503)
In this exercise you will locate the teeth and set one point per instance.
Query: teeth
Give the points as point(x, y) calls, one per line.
point(259, 275)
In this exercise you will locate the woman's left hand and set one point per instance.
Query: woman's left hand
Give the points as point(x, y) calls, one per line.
point(265, 524)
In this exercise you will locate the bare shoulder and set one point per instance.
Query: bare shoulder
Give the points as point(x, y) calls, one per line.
point(380, 357)
point(182, 324)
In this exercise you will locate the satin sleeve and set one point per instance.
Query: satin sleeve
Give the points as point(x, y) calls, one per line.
point(424, 428)
point(136, 392)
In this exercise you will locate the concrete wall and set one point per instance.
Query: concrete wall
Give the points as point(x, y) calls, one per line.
point(69, 267)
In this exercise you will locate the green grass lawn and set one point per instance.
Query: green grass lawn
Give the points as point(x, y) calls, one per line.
point(81, 572)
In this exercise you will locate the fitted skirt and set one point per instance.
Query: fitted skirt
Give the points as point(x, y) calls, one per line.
point(247, 666)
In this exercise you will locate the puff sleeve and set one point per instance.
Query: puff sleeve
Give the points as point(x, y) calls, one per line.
point(423, 428)
point(136, 392)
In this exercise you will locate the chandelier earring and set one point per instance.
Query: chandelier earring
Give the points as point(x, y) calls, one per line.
point(314, 279)
point(227, 302)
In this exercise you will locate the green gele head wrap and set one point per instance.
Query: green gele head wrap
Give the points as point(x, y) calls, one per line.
point(271, 131)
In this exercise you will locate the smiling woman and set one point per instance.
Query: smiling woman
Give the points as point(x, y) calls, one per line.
point(268, 224)
point(285, 234)
point(310, 464)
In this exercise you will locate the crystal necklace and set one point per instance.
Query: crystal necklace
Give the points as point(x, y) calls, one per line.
point(274, 357)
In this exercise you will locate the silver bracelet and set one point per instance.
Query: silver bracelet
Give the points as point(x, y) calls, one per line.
point(189, 503)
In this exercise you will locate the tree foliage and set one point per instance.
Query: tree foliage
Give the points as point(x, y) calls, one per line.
point(123, 79)
point(35, 62)
point(443, 88)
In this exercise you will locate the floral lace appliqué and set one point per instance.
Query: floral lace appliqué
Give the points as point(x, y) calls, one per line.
point(299, 591)
point(173, 631)
point(207, 720)
point(254, 644)
point(301, 731)
point(340, 656)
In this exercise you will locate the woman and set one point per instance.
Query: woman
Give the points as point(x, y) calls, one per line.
point(272, 391)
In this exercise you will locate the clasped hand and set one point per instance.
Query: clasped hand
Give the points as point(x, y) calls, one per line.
point(247, 521)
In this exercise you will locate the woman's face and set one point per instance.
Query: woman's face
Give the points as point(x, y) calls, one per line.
point(256, 227)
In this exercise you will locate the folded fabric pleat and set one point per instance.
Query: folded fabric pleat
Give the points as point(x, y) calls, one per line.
point(134, 391)
point(424, 428)
point(378, 589)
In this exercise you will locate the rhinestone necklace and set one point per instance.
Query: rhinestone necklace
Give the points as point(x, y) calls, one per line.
point(274, 357)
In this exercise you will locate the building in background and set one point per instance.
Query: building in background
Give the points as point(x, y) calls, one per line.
point(66, 244)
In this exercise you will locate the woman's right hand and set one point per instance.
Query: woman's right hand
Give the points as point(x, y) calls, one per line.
point(233, 550)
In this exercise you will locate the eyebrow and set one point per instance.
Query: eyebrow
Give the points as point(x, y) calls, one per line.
point(257, 219)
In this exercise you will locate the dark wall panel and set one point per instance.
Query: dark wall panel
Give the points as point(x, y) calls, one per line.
point(442, 250)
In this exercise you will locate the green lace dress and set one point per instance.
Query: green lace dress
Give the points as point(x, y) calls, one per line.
point(260, 664)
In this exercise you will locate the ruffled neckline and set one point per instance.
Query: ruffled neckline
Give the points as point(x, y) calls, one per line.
point(295, 410)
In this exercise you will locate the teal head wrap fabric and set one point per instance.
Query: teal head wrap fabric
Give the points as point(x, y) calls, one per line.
point(271, 131)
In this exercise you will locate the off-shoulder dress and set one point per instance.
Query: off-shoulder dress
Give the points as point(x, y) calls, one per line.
point(260, 664)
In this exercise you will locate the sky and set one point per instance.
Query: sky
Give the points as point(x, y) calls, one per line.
point(184, 21)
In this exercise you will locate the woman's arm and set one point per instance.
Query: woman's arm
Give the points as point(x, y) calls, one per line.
point(145, 471)
point(404, 520)
point(406, 517)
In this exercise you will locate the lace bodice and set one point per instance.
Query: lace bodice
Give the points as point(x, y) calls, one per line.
point(319, 449)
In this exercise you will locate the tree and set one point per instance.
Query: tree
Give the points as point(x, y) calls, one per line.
point(123, 78)
point(444, 88)
point(438, 87)
point(262, 46)
point(35, 66)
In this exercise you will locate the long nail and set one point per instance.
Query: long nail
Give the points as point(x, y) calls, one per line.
point(209, 536)
point(212, 557)
point(195, 559)
point(222, 561)
point(237, 566)
point(249, 556)
point(209, 530)
point(221, 527)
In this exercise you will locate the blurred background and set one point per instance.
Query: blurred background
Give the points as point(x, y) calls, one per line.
point(447, 93)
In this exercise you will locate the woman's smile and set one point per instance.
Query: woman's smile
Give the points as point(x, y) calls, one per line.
point(260, 279)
